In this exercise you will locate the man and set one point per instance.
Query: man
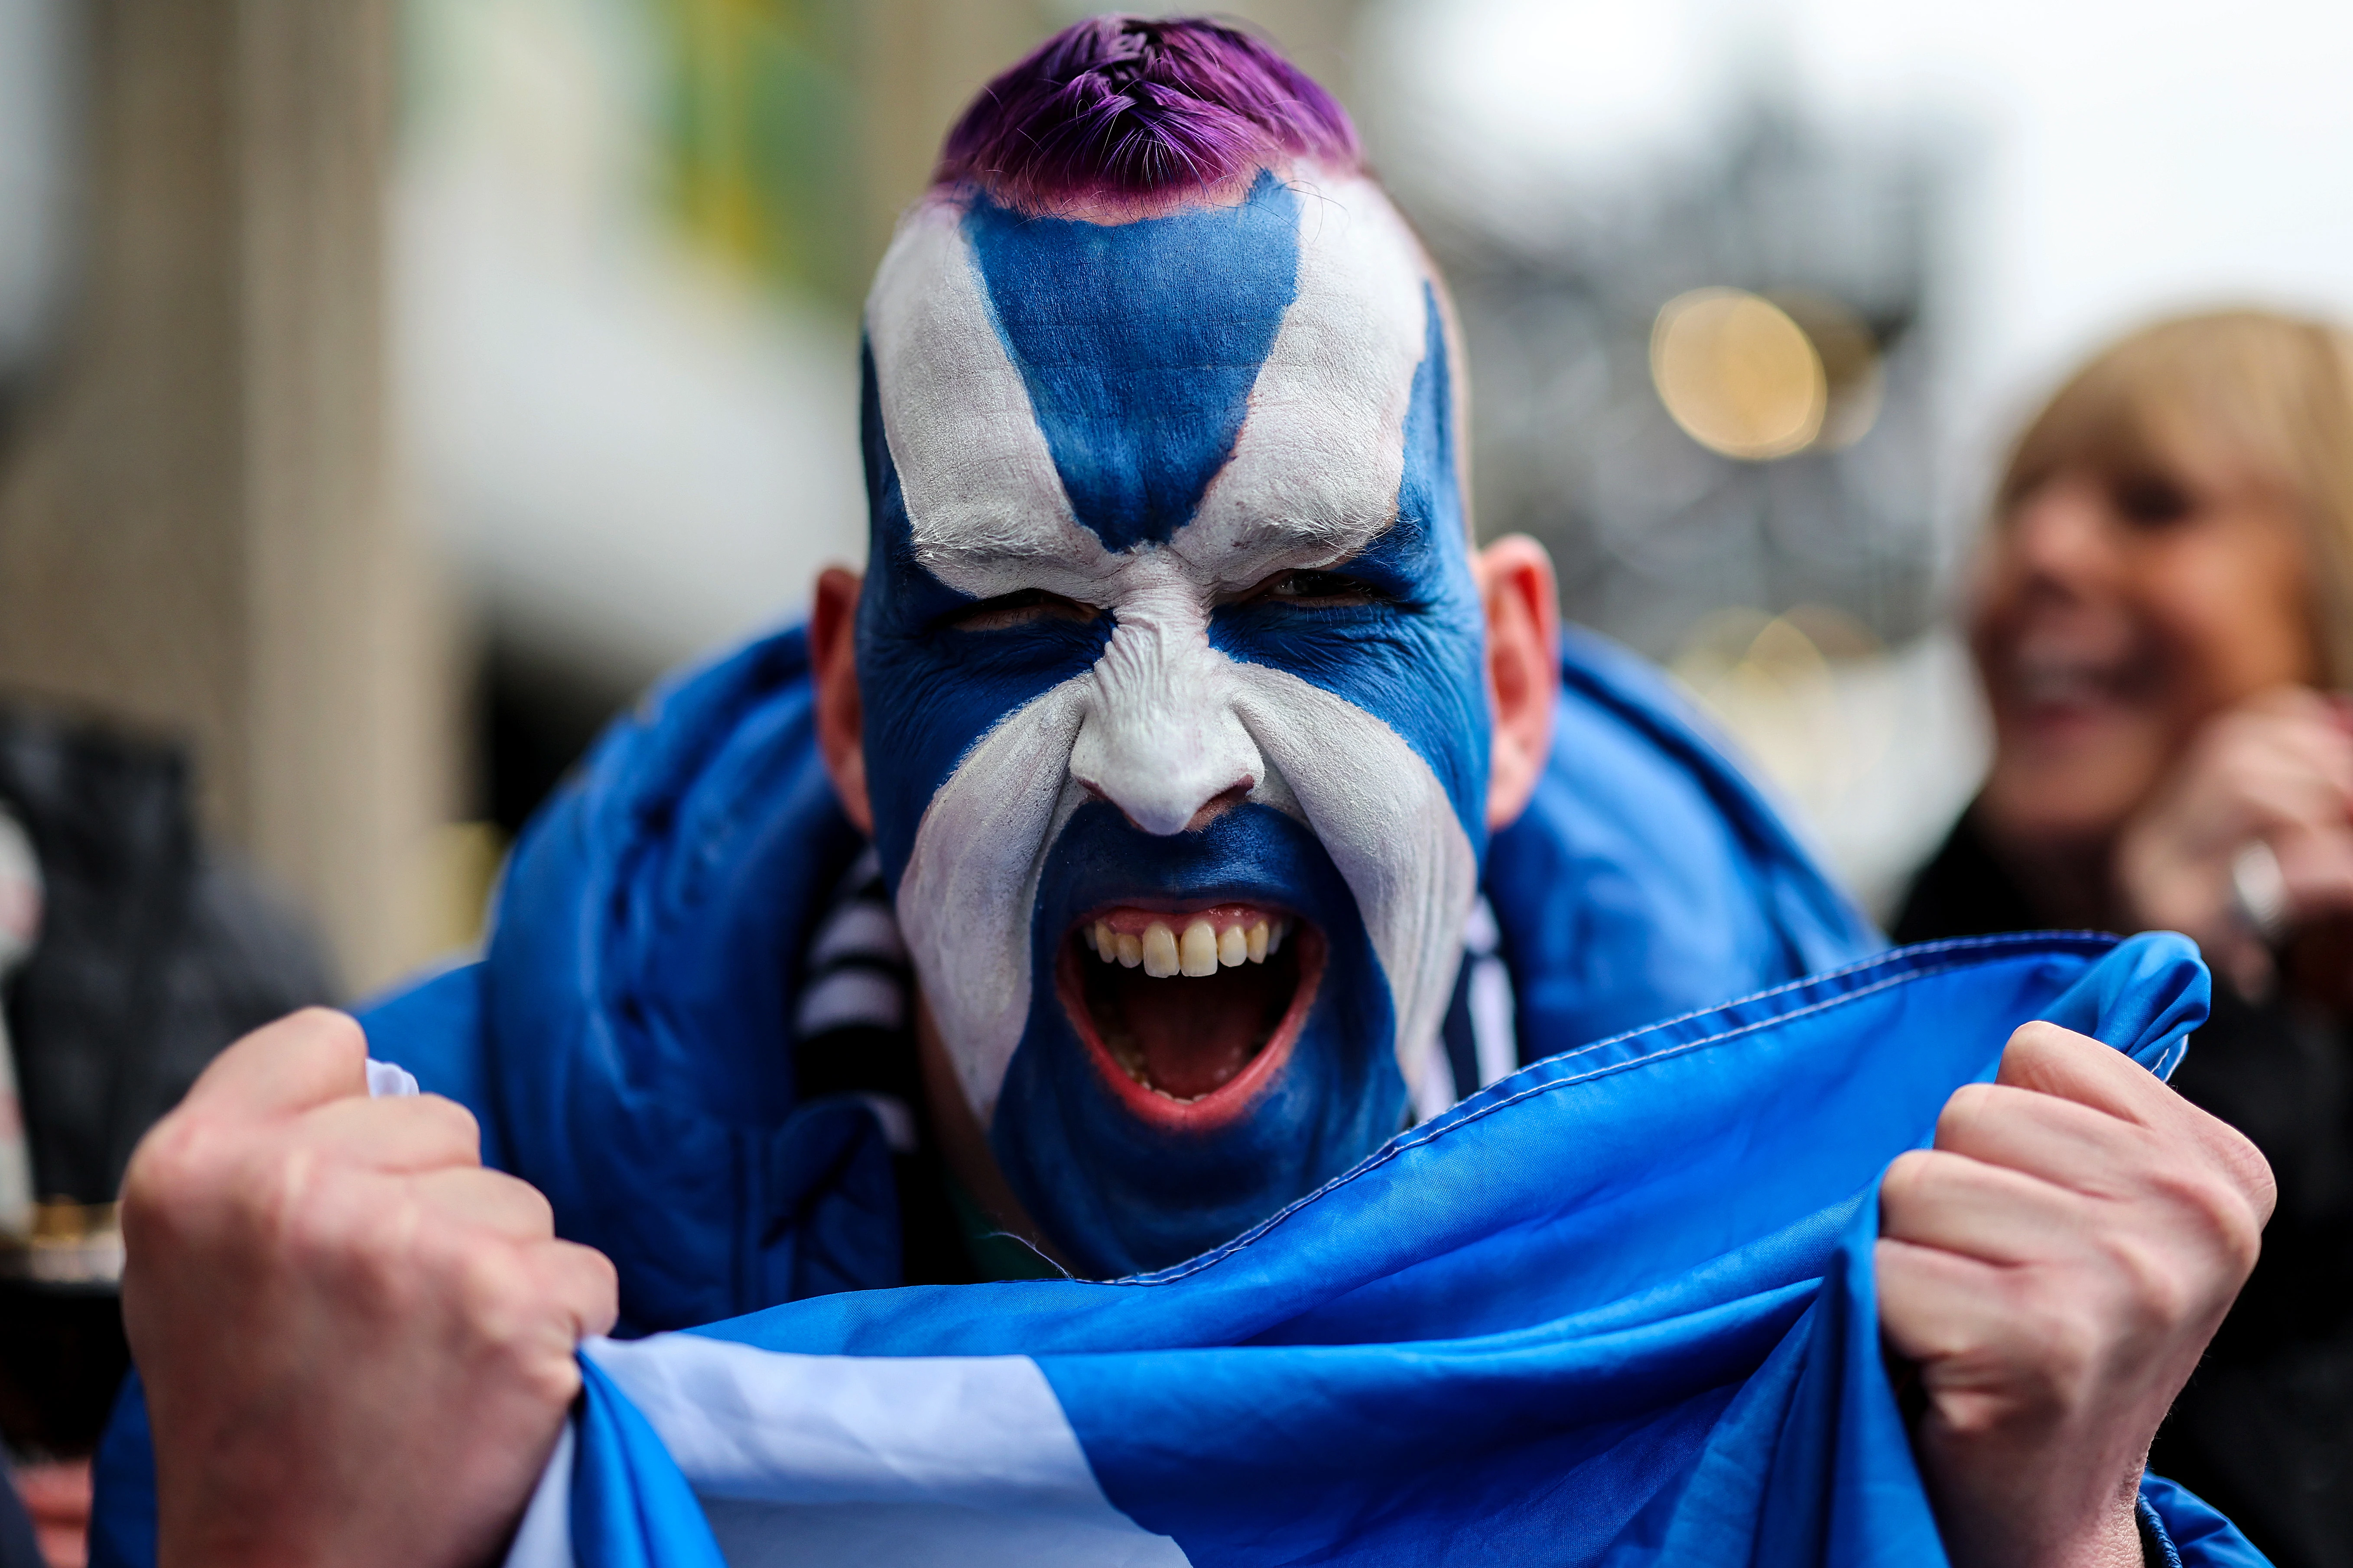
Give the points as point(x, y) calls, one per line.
point(1178, 714)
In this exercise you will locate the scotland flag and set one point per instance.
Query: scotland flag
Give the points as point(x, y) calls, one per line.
point(1616, 1308)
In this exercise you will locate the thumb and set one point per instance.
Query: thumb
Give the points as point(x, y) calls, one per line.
point(304, 1059)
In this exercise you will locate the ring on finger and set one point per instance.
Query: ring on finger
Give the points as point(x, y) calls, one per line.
point(2259, 891)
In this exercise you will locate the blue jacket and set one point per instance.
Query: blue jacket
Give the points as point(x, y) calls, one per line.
point(625, 1040)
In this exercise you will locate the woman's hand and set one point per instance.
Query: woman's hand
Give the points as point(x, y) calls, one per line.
point(2278, 770)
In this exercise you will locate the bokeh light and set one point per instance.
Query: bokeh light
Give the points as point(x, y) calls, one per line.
point(1853, 382)
point(1738, 374)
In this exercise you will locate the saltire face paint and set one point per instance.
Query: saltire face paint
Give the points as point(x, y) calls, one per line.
point(1169, 635)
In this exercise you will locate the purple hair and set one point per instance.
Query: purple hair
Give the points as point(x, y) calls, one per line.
point(1124, 106)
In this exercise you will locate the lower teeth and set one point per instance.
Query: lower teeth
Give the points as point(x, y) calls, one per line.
point(1125, 1051)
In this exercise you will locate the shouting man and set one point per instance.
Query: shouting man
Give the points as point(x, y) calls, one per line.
point(1177, 810)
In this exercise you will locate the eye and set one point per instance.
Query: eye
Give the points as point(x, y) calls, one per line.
point(2151, 501)
point(1028, 607)
point(1320, 590)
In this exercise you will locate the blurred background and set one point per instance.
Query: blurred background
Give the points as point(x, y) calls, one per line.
point(389, 390)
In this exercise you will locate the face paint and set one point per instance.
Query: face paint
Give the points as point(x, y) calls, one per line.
point(1110, 682)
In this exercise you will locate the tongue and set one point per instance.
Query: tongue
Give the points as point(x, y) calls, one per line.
point(1194, 1034)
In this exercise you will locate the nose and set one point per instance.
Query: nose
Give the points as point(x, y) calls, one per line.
point(2058, 534)
point(1161, 740)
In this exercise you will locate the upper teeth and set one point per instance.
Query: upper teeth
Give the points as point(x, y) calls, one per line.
point(1199, 947)
point(2047, 684)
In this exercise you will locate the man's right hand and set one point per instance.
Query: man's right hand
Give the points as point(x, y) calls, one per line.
point(357, 1342)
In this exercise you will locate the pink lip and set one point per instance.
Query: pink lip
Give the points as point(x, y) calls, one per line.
point(1225, 1104)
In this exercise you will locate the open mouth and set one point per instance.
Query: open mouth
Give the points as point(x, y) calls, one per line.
point(2058, 668)
point(1189, 1012)
point(2047, 683)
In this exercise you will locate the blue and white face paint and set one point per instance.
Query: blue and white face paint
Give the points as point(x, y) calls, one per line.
point(1169, 621)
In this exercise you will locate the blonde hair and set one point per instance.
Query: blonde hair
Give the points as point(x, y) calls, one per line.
point(2268, 395)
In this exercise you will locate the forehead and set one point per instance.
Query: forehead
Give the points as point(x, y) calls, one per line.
point(1230, 382)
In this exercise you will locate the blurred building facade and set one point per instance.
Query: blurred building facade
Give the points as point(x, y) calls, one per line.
point(201, 531)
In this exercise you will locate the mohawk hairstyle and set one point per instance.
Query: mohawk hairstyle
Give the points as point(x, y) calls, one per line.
point(1125, 106)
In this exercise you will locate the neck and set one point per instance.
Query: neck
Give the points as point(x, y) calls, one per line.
point(2068, 884)
point(963, 1143)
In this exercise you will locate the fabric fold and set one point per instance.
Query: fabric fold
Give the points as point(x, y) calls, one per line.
point(1617, 1309)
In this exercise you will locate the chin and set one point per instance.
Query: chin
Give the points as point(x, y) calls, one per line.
point(2075, 771)
point(1211, 1039)
point(2059, 806)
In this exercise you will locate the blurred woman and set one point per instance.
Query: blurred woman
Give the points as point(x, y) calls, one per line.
point(2162, 613)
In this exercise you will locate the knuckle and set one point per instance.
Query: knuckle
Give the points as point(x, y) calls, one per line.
point(521, 1332)
point(170, 1161)
point(463, 1124)
point(591, 1285)
point(542, 1211)
point(2214, 1206)
point(2065, 1346)
point(1966, 1107)
point(1901, 1186)
point(2253, 1186)
point(329, 1029)
point(2158, 1292)
point(191, 1172)
point(451, 1129)
point(370, 1245)
point(495, 1296)
point(2035, 1051)
point(552, 1381)
point(600, 1293)
point(2234, 1230)
point(312, 1228)
point(2039, 1032)
point(2043, 1036)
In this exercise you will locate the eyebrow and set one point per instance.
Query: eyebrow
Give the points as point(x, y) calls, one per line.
point(1292, 533)
point(1004, 550)
point(999, 552)
point(1059, 564)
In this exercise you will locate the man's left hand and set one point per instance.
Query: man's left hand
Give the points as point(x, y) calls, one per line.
point(2054, 1266)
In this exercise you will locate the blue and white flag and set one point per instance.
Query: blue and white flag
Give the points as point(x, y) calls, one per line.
point(1617, 1309)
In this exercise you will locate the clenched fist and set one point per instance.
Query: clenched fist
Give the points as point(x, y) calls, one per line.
point(2054, 1266)
point(357, 1342)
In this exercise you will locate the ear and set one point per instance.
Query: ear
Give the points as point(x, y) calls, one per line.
point(1523, 598)
point(841, 713)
